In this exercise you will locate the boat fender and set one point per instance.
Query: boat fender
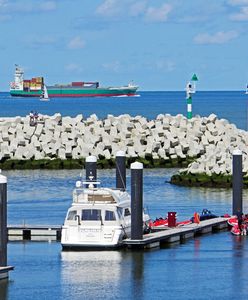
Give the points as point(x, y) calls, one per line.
point(196, 218)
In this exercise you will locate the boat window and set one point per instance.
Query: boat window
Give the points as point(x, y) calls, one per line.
point(120, 212)
point(91, 214)
point(127, 212)
point(109, 215)
point(106, 198)
point(71, 215)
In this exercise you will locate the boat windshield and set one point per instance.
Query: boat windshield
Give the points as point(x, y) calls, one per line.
point(82, 195)
point(71, 215)
point(91, 215)
point(95, 197)
point(120, 212)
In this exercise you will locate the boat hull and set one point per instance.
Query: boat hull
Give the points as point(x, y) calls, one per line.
point(83, 92)
point(92, 237)
point(90, 247)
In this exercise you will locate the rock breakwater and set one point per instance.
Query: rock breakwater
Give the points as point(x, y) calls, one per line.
point(167, 141)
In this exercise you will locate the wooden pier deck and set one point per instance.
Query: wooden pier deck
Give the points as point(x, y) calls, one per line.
point(178, 234)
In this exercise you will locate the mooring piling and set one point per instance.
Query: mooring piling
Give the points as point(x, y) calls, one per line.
point(4, 269)
point(90, 167)
point(121, 170)
point(3, 221)
point(237, 183)
point(136, 201)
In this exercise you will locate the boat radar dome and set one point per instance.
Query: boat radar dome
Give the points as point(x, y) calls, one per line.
point(78, 184)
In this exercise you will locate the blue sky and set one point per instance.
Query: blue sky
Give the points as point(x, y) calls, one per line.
point(156, 43)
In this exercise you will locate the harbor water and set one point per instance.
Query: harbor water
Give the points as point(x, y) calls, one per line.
point(208, 267)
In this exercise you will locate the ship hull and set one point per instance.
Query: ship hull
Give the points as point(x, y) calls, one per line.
point(70, 92)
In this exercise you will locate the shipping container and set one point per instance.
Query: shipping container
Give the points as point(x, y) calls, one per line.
point(39, 79)
point(77, 83)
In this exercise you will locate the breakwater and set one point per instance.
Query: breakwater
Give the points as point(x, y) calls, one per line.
point(65, 139)
point(203, 145)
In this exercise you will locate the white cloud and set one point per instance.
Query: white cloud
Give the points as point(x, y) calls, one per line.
point(11, 7)
point(109, 8)
point(238, 2)
point(4, 16)
point(76, 43)
point(112, 66)
point(220, 37)
point(159, 14)
point(242, 16)
point(132, 8)
point(137, 8)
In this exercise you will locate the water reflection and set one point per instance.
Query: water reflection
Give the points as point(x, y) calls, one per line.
point(90, 272)
point(197, 247)
point(104, 273)
point(137, 279)
point(239, 256)
point(238, 244)
point(85, 265)
point(4, 283)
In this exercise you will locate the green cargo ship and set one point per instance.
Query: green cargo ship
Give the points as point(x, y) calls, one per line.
point(35, 88)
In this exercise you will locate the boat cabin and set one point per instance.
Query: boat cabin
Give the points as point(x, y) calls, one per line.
point(102, 205)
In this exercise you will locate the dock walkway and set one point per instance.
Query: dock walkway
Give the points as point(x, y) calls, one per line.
point(34, 232)
point(177, 234)
point(154, 239)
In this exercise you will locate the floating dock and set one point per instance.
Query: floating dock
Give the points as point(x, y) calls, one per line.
point(150, 240)
point(4, 271)
point(34, 232)
point(177, 234)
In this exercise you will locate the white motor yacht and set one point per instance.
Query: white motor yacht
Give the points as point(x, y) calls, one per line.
point(98, 217)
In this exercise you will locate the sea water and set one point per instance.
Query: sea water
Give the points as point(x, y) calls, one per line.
point(229, 105)
point(213, 266)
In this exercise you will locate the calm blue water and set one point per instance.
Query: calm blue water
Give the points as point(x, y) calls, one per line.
point(210, 267)
point(43, 197)
point(228, 105)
